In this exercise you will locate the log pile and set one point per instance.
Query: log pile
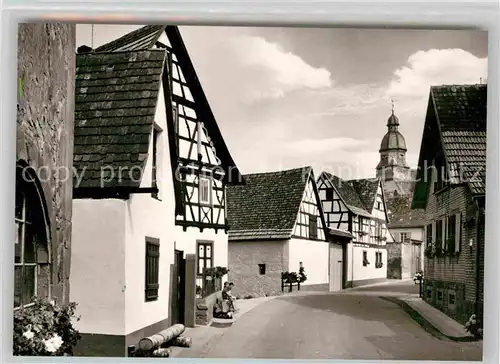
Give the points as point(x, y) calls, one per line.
point(158, 345)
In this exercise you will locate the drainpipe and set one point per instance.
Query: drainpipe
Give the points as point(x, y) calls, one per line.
point(478, 229)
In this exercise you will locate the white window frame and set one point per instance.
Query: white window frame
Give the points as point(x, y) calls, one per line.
point(205, 182)
point(21, 225)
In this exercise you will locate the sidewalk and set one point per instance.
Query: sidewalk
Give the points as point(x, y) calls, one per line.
point(203, 335)
point(433, 320)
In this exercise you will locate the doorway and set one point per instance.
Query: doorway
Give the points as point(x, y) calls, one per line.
point(178, 287)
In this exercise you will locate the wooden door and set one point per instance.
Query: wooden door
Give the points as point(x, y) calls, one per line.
point(178, 287)
point(336, 267)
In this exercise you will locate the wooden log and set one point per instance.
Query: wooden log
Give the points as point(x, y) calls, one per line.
point(160, 338)
point(182, 341)
point(162, 352)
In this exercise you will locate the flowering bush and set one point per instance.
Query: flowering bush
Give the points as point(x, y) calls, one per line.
point(419, 276)
point(473, 326)
point(45, 329)
point(290, 277)
point(217, 272)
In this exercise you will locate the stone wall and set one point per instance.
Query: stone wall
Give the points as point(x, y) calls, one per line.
point(244, 260)
point(394, 260)
point(46, 68)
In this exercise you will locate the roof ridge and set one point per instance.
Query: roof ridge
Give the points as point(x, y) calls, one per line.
point(279, 171)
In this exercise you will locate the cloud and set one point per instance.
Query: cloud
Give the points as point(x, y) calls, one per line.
point(266, 71)
point(436, 67)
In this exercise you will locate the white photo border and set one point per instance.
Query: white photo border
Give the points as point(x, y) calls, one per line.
point(482, 15)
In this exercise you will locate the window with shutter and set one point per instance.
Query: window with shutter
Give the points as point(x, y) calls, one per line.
point(439, 233)
point(313, 227)
point(444, 234)
point(458, 230)
point(204, 256)
point(152, 269)
point(451, 231)
point(204, 191)
point(429, 234)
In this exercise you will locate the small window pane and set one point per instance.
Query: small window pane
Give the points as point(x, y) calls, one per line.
point(19, 204)
point(18, 243)
point(17, 285)
point(29, 244)
point(201, 251)
point(209, 263)
point(209, 251)
point(28, 283)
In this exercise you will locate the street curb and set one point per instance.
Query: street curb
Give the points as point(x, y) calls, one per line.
point(426, 324)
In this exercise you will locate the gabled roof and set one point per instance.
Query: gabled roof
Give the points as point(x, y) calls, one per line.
point(400, 213)
point(140, 39)
point(115, 103)
point(459, 113)
point(359, 195)
point(267, 206)
point(367, 191)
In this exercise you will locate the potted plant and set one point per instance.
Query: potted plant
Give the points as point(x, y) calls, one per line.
point(302, 275)
point(45, 329)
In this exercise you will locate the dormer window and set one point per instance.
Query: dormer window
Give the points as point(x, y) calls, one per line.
point(205, 191)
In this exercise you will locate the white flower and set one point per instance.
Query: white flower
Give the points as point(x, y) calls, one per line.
point(52, 302)
point(28, 334)
point(53, 344)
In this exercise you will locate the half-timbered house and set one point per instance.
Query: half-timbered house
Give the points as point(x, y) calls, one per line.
point(276, 224)
point(358, 207)
point(451, 187)
point(151, 170)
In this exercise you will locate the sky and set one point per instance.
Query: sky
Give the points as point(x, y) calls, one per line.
point(291, 97)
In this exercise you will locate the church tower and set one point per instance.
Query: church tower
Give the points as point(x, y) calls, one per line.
point(392, 169)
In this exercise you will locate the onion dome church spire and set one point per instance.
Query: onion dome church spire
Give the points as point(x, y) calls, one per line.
point(392, 167)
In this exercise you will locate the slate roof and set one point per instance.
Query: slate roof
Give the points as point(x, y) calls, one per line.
point(140, 39)
point(359, 195)
point(115, 103)
point(367, 191)
point(461, 113)
point(266, 207)
point(400, 213)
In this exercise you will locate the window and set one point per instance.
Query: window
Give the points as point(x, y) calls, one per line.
point(451, 298)
point(379, 205)
point(205, 191)
point(152, 268)
point(428, 236)
point(360, 224)
point(313, 227)
point(329, 193)
point(403, 237)
point(204, 257)
point(31, 245)
point(262, 269)
point(440, 295)
point(378, 260)
point(365, 258)
point(155, 170)
point(450, 240)
point(429, 292)
point(439, 233)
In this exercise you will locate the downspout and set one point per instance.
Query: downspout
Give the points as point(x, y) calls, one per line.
point(478, 271)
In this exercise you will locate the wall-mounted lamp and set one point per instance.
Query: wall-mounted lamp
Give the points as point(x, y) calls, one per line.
point(471, 241)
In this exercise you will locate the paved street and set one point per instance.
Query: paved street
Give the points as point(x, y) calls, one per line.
point(356, 325)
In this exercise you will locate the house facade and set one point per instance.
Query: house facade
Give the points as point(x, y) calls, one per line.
point(451, 189)
point(405, 255)
point(151, 170)
point(358, 207)
point(43, 162)
point(276, 225)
